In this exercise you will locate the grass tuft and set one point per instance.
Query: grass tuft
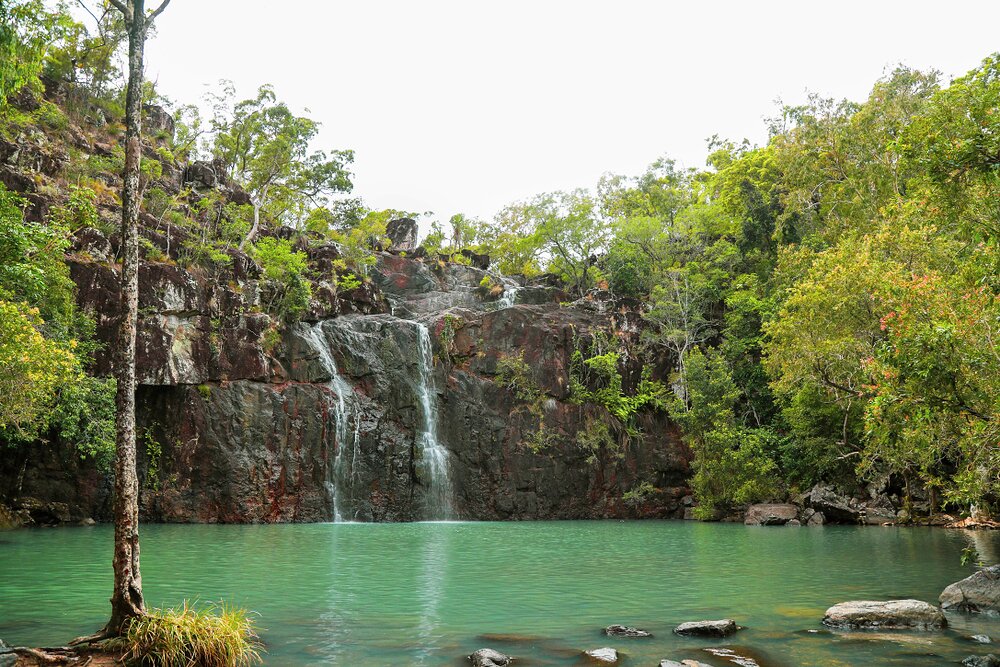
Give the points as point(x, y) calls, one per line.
point(215, 636)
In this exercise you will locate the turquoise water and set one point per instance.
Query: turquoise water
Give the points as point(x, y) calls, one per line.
point(426, 593)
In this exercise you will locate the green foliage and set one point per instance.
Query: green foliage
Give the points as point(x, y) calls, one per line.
point(733, 465)
point(214, 636)
point(596, 379)
point(640, 494)
point(154, 450)
point(514, 373)
point(32, 371)
point(284, 268)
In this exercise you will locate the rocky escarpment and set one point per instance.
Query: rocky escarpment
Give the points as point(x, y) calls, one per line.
point(247, 419)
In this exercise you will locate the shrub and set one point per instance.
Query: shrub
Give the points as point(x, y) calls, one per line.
point(211, 637)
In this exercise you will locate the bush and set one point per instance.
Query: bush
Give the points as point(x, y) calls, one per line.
point(211, 637)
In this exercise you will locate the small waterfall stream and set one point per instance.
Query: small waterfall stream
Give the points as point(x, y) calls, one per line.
point(337, 474)
point(433, 454)
point(509, 296)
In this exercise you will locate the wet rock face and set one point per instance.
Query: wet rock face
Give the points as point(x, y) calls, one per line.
point(261, 421)
point(979, 593)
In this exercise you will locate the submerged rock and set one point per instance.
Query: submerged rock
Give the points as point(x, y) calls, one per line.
point(625, 631)
point(892, 614)
point(981, 639)
point(770, 514)
point(720, 628)
point(988, 660)
point(682, 663)
point(487, 657)
point(605, 656)
point(979, 593)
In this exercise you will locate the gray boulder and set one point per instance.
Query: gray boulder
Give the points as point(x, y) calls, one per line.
point(403, 234)
point(487, 657)
point(625, 631)
point(604, 656)
point(979, 593)
point(892, 614)
point(770, 514)
point(835, 507)
point(720, 628)
point(816, 519)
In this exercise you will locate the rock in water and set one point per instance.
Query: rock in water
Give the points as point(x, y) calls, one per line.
point(977, 593)
point(682, 663)
point(605, 656)
point(487, 657)
point(720, 628)
point(892, 614)
point(988, 660)
point(981, 639)
point(625, 631)
point(770, 514)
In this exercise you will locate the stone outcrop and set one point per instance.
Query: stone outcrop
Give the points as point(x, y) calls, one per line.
point(720, 628)
point(885, 615)
point(246, 413)
point(771, 514)
point(978, 593)
point(403, 234)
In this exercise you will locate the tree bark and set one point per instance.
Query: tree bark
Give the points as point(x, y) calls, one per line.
point(126, 600)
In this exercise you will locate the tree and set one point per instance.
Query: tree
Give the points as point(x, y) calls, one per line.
point(266, 150)
point(126, 599)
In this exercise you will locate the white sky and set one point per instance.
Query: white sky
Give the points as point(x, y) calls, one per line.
point(464, 106)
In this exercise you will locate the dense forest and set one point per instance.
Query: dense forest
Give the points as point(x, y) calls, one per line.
point(827, 301)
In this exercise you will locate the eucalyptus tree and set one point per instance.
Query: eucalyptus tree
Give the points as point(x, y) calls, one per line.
point(126, 599)
point(265, 148)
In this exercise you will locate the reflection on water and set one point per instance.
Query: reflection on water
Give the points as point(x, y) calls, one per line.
point(427, 593)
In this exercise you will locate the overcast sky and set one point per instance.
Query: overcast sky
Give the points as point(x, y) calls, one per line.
point(464, 106)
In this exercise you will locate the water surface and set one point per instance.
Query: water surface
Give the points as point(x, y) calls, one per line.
point(426, 593)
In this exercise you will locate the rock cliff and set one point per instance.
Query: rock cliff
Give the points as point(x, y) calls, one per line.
point(381, 404)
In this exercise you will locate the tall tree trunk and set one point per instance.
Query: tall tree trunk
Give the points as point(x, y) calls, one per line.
point(126, 600)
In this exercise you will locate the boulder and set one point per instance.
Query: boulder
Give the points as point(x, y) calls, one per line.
point(979, 593)
point(476, 260)
point(817, 519)
point(403, 234)
point(770, 514)
point(604, 656)
point(988, 660)
point(892, 614)
point(835, 507)
point(487, 657)
point(201, 174)
point(158, 122)
point(682, 663)
point(794, 522)
point(981, 639)
point(625, 631)
point(720, 628)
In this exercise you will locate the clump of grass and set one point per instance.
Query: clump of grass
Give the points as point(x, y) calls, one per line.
point(214, 636)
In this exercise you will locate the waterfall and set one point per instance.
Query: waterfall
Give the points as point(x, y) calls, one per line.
point(509, 296)
point(336, 475)
point(434, 456)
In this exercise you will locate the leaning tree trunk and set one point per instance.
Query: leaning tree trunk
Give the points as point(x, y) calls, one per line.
point(126, 601)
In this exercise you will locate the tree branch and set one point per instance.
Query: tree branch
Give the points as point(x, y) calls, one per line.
point(120, 6)
point(157, 11)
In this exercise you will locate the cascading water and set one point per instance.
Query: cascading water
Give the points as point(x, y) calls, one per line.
point(434, 456)
point(337, 476)
point(509, 296)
